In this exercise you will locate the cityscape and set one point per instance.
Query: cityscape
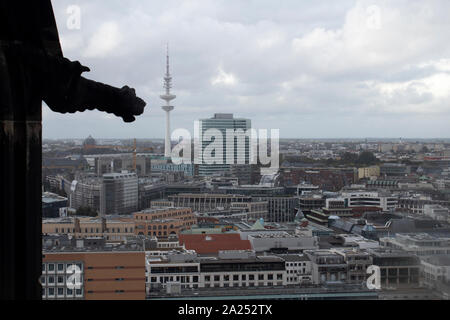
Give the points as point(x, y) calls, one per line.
point(309, 230)
point(212, 206)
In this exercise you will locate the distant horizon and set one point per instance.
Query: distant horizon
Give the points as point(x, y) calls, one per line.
point(291, 138)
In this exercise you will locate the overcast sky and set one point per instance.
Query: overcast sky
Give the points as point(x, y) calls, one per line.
point(312, 69)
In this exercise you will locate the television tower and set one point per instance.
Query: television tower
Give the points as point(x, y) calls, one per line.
point(167, 108)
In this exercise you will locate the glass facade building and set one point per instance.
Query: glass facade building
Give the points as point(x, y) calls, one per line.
point(222, 122)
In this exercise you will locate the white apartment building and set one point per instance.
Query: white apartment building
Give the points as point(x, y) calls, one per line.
point(421, 244)
point(229, 269)
point(436, 269)
point(266, 241)
point(369, 199)
point(436, 211)
point(298, 269)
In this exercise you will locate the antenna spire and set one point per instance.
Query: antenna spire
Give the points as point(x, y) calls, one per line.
point(167, 60)
point(167, 78)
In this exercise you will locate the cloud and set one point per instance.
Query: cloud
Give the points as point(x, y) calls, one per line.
point(322, 68)
point(103, 41)
point(224, 78)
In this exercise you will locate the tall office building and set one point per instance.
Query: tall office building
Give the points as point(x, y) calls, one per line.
point(222, 122)
point(119, 193)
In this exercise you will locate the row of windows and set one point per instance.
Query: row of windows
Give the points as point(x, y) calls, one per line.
point(218, 278)
point(116, 279)
point(182, 279)
point(295, 264)
point(185, 269)
point(250, 284)
point(61, 292)
point(116, 267)
point(160, 227)
point(279, 276)
point(164, 233)
point(116, 291)
point(295, 271)
point(93, 230)
point(55, 280)
point(242, 267)
point(161, 216)
point(60, 267)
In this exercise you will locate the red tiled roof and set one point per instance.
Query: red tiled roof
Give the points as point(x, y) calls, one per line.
point(216, 242)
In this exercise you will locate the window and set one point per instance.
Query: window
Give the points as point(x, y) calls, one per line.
point(260, 277)
point(60, 291)
point(51, 267)
point(60, 279)
point(60, 266)
point(51, 279)
point(216, 278)
point(251, 277)
point(207, 278)
point(235, 277)
point(51, 291)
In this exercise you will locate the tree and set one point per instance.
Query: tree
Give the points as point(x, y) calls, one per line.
point(86, 211)
point(349, 157)
point(367, 158)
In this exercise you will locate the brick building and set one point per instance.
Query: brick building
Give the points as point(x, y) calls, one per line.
point(103, 275)
point(163, 222)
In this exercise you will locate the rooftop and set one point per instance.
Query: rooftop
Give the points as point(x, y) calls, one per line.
point(213, 243)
